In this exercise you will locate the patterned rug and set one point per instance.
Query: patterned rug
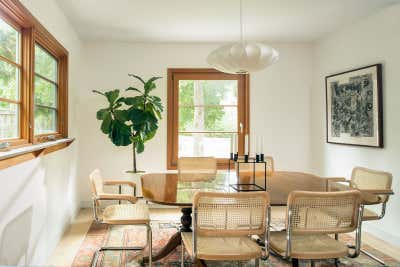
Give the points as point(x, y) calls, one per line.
point(99, 235)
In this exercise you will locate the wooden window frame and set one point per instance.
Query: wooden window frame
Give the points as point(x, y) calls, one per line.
point(173, 102)
point(14, 13)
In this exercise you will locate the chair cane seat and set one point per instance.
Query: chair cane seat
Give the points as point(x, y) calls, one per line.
point(126, 214)
point(369, 215)
point(308, 246)
point(222, 248)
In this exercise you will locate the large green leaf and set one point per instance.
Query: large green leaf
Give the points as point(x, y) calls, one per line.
point(133, 89)
point(102, 113)
point(139, 146)
point(150, 135)
point(150, 85)
point(152, 79)
point(137, 77)
point(106, 124)
point(120, 100)
point(136, 101)
point(120, 134)
point(112, 95)
point(121, 115)
point(98, 92)
point(155, 111)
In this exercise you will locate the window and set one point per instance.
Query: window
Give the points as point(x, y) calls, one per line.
point(205, 109)
point(10, 70)
point(33, 79)
point(45, 92)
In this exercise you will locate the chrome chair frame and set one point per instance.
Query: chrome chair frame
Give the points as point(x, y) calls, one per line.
point(357, 245)
point(381, 215)
point(383, 212)
point(194, 236)
point(119, 248)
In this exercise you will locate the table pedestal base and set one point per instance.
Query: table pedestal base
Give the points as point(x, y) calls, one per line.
point(176, 239)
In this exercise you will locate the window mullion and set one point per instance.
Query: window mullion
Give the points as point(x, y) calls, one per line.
point(27, 103)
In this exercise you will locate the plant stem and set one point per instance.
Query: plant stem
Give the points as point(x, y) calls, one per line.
point(134, 157)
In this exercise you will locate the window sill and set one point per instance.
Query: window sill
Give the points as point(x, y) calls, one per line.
point(19, 155)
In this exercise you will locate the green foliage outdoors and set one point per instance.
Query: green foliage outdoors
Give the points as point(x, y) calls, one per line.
point(45, 92)
point(8, 81)
point(131, 120)
point(213, 94)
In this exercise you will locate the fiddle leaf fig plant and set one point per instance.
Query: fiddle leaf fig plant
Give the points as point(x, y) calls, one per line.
point(131, 120)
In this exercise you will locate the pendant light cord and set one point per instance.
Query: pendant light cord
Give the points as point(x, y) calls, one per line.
point(241, 21)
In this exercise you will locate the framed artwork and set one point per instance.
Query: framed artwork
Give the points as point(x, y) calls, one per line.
point(354, 107)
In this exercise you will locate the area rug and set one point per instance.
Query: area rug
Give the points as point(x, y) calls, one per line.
point(99, 235)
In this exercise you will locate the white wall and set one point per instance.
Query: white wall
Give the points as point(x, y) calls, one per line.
point(375, 39)
point(38, 198)
point(280, 103)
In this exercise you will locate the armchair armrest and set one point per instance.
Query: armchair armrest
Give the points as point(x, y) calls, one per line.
point(377, 191)
point(119, 182)
point(129, 198)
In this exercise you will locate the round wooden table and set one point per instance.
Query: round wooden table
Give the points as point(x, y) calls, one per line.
point(167, 189)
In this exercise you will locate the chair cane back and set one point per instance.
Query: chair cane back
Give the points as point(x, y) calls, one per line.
point(311, 217)
point(223, 224)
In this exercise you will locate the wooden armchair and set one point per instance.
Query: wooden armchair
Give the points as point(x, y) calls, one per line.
point(121, 214)
point(311, 218)
point(223, 224)
point(375, 187)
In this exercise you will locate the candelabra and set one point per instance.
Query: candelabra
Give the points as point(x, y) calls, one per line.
point(250, 184)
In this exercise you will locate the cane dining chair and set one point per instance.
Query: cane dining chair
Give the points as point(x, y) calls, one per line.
point(118, 214)
point(223, 224)
point(192, 169)
point(311, 217)
point(375, 187)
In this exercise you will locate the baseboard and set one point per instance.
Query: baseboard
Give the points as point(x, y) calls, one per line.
point(381, 234)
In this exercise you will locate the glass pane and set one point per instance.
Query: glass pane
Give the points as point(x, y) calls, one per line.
point(209, 118)
point(45, 93)
point(202, 145)
point(45, 120)
point(208, 92)
point(9, 81)
point(45, 64)
point(9, 120)
point(9, 42)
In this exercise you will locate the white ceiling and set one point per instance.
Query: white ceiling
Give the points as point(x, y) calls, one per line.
point(213, 20)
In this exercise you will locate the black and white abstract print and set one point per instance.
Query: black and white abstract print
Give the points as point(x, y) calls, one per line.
point(352, 107)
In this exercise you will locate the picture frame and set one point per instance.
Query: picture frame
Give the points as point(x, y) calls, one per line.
point(354, 112)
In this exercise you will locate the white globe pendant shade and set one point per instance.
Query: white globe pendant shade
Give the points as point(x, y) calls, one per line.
point(242, 58)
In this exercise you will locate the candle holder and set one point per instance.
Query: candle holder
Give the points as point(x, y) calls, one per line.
point(248, 181)
point(231, 156)
point(257, 158)
point(236, 156)
point(262, 157)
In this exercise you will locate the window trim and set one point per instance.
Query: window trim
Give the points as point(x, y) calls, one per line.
point(14, 13)
point(172, 110)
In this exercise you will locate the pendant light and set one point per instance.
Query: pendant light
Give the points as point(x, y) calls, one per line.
point(242, 57)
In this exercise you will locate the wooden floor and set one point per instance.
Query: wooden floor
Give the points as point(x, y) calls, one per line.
point(65, 252)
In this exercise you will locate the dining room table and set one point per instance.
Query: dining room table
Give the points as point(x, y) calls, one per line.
point(169, 190)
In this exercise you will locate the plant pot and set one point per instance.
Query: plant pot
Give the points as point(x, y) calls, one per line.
point(135, 177)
